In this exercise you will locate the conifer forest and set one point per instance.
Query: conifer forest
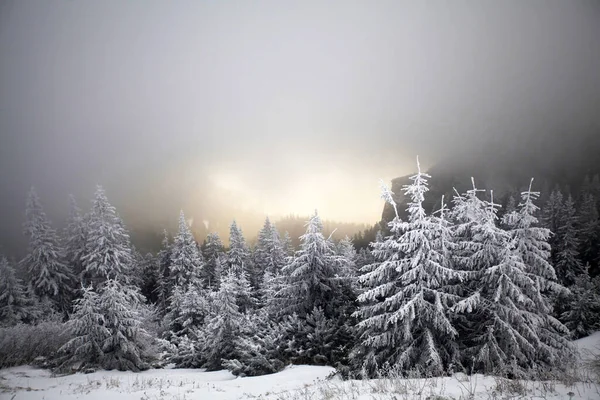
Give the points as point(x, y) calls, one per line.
point(468, 287)
point(298, 200)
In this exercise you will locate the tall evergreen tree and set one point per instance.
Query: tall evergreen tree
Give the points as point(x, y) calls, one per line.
point(508, 330)
point(239, 260)
point(313, 290)
point(582, 314)
point(50, 276)
point(15, 305)
point(238, 255)
point(589, 232)
point(107, 249)
point(187, 262)
point(223, 326)
point(163, 290)
point(75, 238)
point(106, 330)
point(189, 307)
point(551, 213)
point(269, 254)
point(124, 348)
point(214, 255)
point(529, 239)
point(567, 263)
point(530, 242)
point(87, 327)
point(345, 249)
point(405, 322)
point(312, 274)
point(150, 270)
point(288, 246)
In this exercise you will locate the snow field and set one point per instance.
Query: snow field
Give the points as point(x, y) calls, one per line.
point(301, 382)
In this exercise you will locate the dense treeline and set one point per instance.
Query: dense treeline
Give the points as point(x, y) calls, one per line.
point(463, 288)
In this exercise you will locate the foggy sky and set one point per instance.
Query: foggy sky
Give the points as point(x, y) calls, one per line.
point(222, 108)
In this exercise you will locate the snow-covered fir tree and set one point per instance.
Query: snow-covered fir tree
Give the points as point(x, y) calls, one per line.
point(150, 270)
point(239, 258)
point(530, 242)
point(551, 212)
point(506, 328)
point(239, 262)
point(269, 288)
point(163, 290)
point(214, 256)
point(589, 231)
point(312, 285)
point(257, 346)
point(220, 334)
point(125, 347)
point(582, 315)
point(75, 238)
point(317, 340)
point(107, 248)
point(87, 327)
point(312, 274)
point(106, 331)
point(49, 274)
point(187, 262)
point(288, 246)
point(567, 263)
point(136, 271)
point(15, 304)
point(530, 239)
point(269, 254)
point(345, 249)
point(405, 320)
point(189, 307)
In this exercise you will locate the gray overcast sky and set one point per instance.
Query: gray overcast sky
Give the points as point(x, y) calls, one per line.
point(276, 106)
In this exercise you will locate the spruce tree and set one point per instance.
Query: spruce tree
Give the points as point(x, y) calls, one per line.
point(530, 239)
point(189, 307)
point(288, 246)
point(75, 238)
point(15, 305)
point(551, 213)
point(125, 347)
point(87, 327)
point(150, 273)
point(214, 254)
point(107, 249)
point(238, 255)
point(530, 242)
point(106, 330)
point(582, 315)
point(269, 253)
point(506, 329)
point(312, 274)
point(567, 263)
point(163, 290)
point(49, 275)
point(223, 326)
point(405, 321)
point(186, 260)
point(257, 346)
point(240, 264)
point(345, 249)
point(312, 286)
point(589, 232)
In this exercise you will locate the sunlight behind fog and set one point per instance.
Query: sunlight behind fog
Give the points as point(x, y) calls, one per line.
point(336, 193)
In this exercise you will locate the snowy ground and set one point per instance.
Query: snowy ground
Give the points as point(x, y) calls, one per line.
point(296, 382)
